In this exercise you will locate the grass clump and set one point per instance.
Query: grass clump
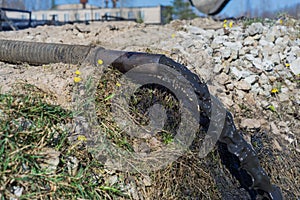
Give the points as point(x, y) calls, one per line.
point(37, 158)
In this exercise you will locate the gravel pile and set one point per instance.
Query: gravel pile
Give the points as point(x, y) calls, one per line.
point(252, 67)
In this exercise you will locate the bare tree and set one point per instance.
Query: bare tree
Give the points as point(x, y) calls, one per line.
point(114, 2)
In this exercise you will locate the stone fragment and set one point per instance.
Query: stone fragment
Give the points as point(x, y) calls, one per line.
point(250, 57)
point(243, 85)
point(283, 97)
point(72, 165)
point(225, 52)
point(275, 58)
point(291, 57)
point(250, 123)
point(296, 50)
point(239, 73)
point(49, 159)
point(240, 94)
point(277, 145)
point(147, 181)
point(254, 52)
point(251, 79)
point(226, 100)
point(233, 45)
point(218, 68)
point(282, 41)
point(218, 41)
point(230, 86)
point(268, 65)
point(264, 42)
point(249, 99)
point(195, 30)
point(270, 37)
point(255, 28)
point(295, 66)
point(258, 63)
point(222, 78)
point(263, 79)
point(17, 191)
point(112, 180)
point(249, 41)
point(242, 52)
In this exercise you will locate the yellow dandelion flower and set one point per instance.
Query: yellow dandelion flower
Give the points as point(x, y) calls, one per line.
point(118, 84)
point(230, 24)
point(287, 65)
point(77, 72)
point(100, 62)
point(77, 79)
point(274, 91)
point(173, 35)
point(81, 138)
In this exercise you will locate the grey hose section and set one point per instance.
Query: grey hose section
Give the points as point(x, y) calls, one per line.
point(42, 53)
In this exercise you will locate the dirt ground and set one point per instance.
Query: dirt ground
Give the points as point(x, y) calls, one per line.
point(190, 177)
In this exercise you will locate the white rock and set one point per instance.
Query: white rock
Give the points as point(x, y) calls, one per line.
point(295, 66)
point(239, 73)
point(72, 165)
point(282, 41)
point(254, 52)
point(249, 41)
point(263, 79)
point(147, 181)
point(264, 42)
point(291, 57)
point(226, 100)
point(251, 79)
point(234, 54)
point(242, 52)
point(258, 63)
point(230, 86)
point(296, 50)
point(250, 123)
point(112, 180)
point(225, 52)
point(277, 145)
point(240, 94)
point(242, 85)
point(49, 160)
point(274, 129)
point(256, 89)
point(195, 30)
point(255, 28)
point(268, 65)
point(218, 68)
point(218, 41)
point(270, 37)
point(249, 57)
point(275, 58)
point(17, 191)
point(283, 97)
point(233, 45)
point(222, 78)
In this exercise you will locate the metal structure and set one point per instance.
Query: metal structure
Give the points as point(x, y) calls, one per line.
point(13, 23)
point(210, 7)
point(245, 158)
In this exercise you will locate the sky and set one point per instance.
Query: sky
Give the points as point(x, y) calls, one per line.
point(234, 8)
